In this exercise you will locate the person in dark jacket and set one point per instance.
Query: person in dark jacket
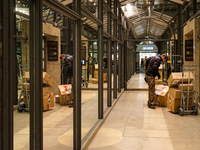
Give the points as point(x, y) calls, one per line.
point(152, 65)
point(67, 71)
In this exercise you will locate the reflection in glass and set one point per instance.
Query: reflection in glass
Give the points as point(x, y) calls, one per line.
point(21, 113)
point(89, 85)
point(91, 5)
point(105, 75)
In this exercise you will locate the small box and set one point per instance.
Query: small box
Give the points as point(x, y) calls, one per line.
point(52, 100)
point(158, 81)
point(48, 101)
point(95, 81)
point(26, 77)
point(96, 74)
point(174, 104)
point(105, 77)
point(168, 101)
point(26, 86)
point(45, 102)
point(47, 90)
point(63, 99)
point(174, 92)
point(57, 98)
point(160, 100)
point(47, 79)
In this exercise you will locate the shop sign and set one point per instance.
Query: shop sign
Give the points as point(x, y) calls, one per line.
point(52, 50)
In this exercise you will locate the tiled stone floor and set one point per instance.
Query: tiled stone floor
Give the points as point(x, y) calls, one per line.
point(129, 126)
point(133, 126)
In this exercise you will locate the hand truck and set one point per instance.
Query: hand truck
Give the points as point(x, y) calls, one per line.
point(188, 95)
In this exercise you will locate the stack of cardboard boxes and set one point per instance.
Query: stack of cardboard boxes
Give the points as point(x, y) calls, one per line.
point(95, 79)
point(48, 96)
point(65, 94)
point(175, 88)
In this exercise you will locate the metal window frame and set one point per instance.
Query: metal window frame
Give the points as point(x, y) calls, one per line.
point(109, 97)
point(100, 62)
point(6, 103)
point(77, 78)
point(115, 52)
point(36, 103)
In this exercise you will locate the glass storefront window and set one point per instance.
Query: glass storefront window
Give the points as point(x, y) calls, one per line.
point(22, 115)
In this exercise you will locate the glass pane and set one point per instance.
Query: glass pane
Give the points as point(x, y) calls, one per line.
point(58, 96)
point(91, 5)
point(89, 92)
point(105, 74)
point(21, 106)
point(112, 71)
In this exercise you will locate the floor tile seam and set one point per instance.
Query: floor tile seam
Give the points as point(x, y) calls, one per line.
point(21, 134)
point(147, 137)
point(147, 129)
point(125, 125)
point(56, 127)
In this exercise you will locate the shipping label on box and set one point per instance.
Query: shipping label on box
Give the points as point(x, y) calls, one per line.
point(161, 90)
point(175, 82)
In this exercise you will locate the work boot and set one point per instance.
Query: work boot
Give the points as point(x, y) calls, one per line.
point(151, 106)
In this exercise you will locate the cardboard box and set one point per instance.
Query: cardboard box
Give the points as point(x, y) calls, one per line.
point(96, 74)
point(161, 95)
point(90, 80)
point(184, 87)
point(26, 77)
point(160, 100)
point(48, 101)
point(69, 98)
point(45, 102)
point(174, 104)
point(51, 100)
point(174, 92)
point(67, 87)
point(158, 81)
point(57, 98)
point(47, 79)
point(168, 101)
point(26, 86)
point(63, 99)
point(176, 78)
point(65, 92)
point(105, 77)
point(47, 90)
point(95, 81)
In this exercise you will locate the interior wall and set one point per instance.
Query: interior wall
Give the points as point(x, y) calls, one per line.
point(131, 59)
point(53, 67)
point(192, 31)
point(25, 46)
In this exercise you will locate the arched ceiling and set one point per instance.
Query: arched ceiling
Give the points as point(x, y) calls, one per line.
point(148, 18)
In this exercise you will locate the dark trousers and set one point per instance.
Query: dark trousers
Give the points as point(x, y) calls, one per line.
point(151, 84)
